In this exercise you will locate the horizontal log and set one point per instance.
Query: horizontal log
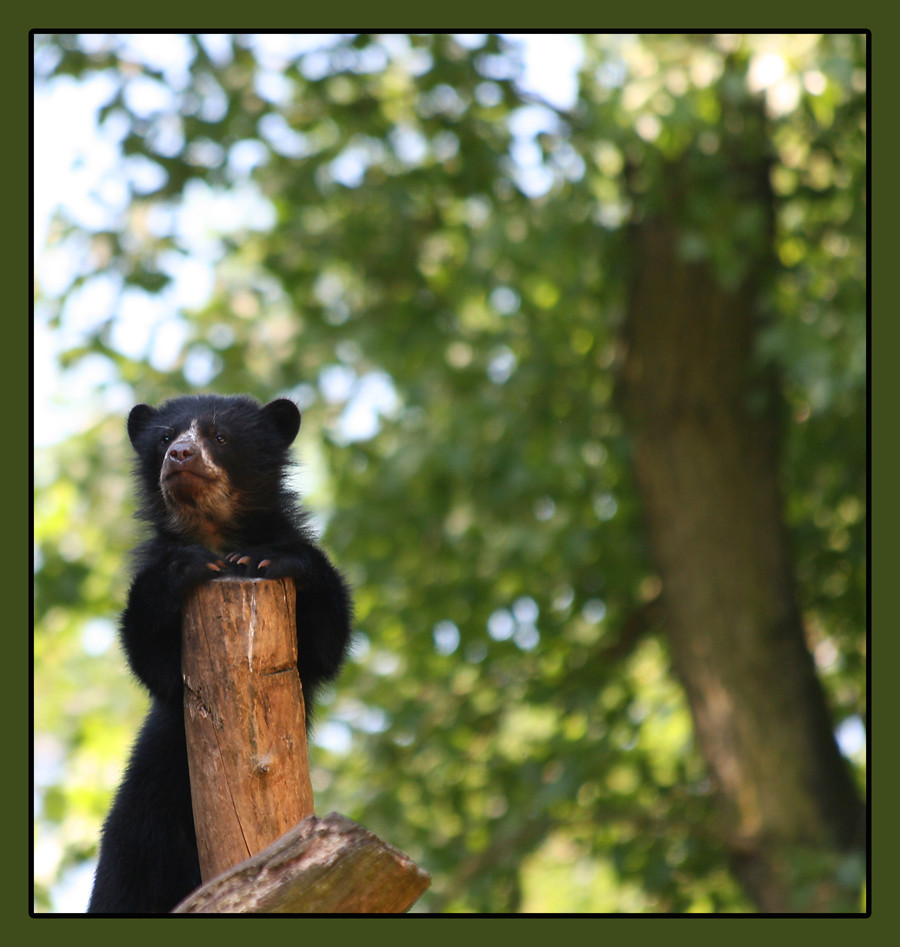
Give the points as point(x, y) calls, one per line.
point(322, 866)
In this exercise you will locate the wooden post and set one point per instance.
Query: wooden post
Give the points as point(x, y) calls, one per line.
point(244, 718)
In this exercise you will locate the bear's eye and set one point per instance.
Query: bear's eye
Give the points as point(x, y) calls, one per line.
point(221, 439)
point(166, 438)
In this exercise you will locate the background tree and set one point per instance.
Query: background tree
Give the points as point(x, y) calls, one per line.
point(585, 395)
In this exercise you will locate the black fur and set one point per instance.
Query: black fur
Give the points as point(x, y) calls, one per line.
point(211, 475)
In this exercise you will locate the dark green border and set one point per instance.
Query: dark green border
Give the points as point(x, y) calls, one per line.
point(885, 459)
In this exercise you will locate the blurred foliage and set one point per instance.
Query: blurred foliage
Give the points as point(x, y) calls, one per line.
point(392, 221)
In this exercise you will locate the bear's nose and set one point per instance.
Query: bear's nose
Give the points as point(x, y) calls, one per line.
point(181, 450)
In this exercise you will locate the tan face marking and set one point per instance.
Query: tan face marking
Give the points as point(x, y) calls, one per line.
point(199, 498)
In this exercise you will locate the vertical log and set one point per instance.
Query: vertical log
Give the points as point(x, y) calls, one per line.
point(244, 718)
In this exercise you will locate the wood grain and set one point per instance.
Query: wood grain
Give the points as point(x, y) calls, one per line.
point(244, 718)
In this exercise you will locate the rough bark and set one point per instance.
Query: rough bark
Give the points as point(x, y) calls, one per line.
point(322, 866)
point(244, 718)
point(705, 442)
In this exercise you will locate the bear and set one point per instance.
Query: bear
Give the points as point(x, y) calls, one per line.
point(210, 471)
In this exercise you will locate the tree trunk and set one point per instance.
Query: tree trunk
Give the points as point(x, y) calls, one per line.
point(704, 434)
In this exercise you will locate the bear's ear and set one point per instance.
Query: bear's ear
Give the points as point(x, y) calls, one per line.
point(138, 419)
point(285, 415)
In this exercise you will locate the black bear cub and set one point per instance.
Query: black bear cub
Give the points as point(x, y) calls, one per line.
point(211, 473)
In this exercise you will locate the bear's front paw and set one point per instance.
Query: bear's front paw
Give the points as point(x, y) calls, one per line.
point(246, 563)
point(258, 564)
point(197, 564)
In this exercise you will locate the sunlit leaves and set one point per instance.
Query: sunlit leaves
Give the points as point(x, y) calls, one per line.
point(436, 266)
